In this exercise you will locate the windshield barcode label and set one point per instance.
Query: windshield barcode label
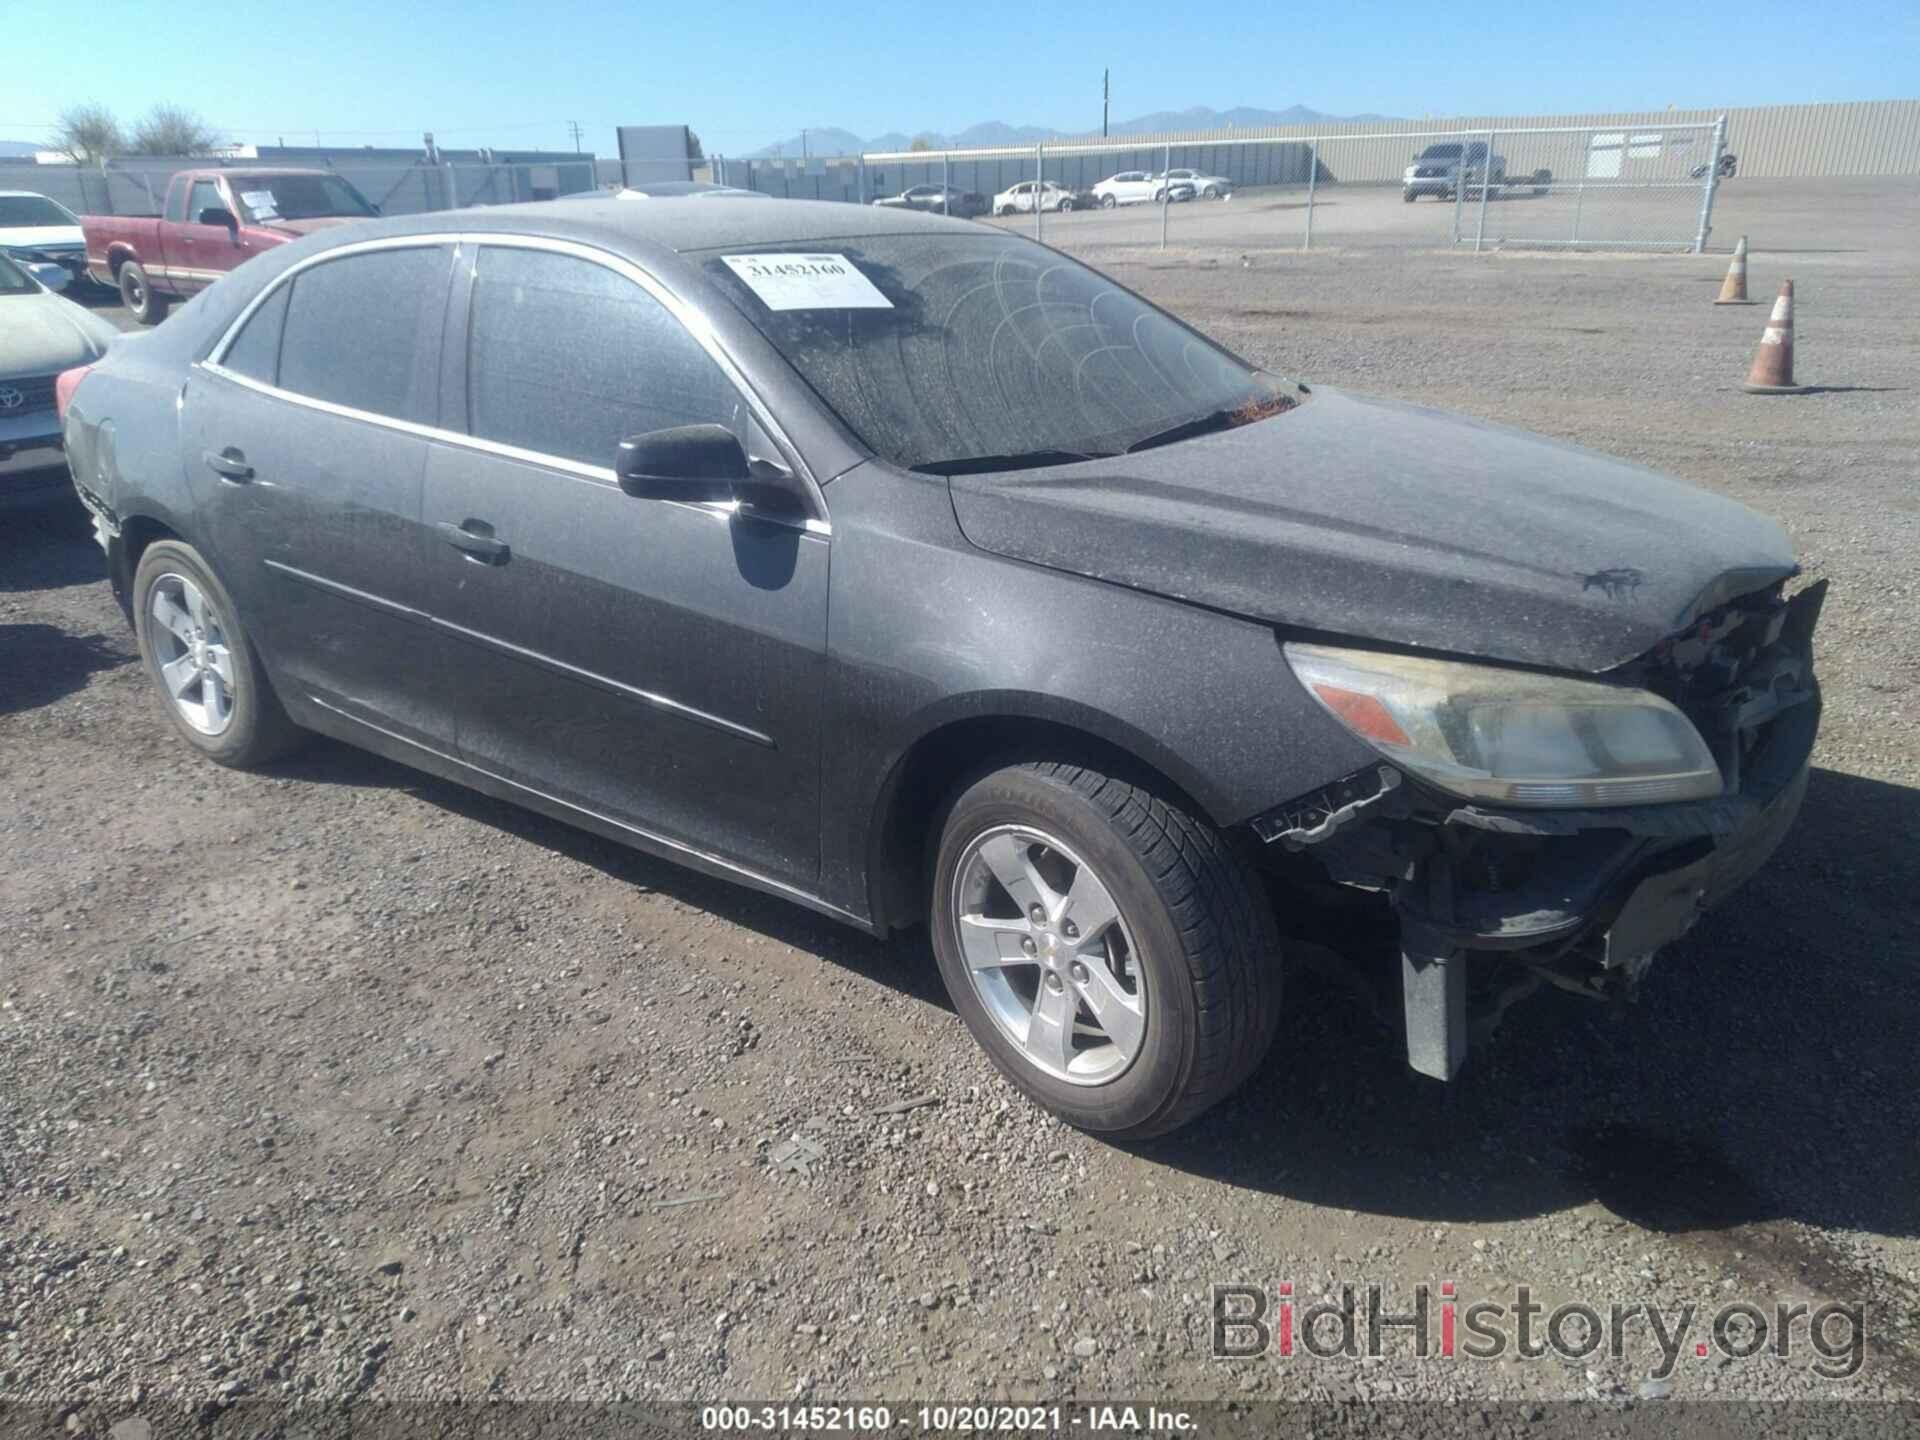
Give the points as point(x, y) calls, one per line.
point(807, 282)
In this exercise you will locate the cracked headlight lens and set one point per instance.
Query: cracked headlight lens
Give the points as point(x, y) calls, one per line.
point(1511, 737)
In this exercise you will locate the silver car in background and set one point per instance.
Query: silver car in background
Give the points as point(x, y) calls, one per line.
point(41, 334)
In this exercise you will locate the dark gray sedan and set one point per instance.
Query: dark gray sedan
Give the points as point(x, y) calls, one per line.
point(916, 573)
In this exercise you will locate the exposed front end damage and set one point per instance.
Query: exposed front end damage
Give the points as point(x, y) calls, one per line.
point(1492, 903)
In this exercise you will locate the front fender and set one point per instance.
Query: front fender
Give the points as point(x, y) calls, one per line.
point(926, 630)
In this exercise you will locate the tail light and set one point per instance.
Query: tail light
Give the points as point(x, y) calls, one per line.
point(64, 384)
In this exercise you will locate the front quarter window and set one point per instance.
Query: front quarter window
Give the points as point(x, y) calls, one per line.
point(568, 358)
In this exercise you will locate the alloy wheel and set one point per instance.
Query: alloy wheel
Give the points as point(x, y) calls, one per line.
point(191, 650)
point(1048, 954)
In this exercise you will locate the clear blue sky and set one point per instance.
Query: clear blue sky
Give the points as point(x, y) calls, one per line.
point(512, 73)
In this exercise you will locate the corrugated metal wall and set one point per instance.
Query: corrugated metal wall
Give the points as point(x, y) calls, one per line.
point(1869, 137)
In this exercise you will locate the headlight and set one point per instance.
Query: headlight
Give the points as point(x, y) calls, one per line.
point(1510, 736)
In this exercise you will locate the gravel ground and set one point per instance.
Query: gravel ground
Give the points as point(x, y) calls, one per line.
point(340, 1081)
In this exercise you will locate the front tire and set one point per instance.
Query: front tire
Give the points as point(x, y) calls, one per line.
point(1107, 948)
point(138, 295)
point(1107, 202)
point(203, 663)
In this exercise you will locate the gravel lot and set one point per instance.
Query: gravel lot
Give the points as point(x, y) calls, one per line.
point(338, 1080)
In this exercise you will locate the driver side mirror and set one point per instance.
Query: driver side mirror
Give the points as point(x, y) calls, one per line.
point(687, 462)
point(219, 215)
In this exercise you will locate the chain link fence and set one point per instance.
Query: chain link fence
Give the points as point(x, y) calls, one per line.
point(1644, 188)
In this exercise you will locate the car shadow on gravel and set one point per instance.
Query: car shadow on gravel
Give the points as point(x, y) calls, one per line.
point(41, 663)
point(1764, 1075)
point(904, 964)
point(48, 547)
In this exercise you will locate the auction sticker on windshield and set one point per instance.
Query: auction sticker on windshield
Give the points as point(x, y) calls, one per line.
point(260, 202)
point(807, 282)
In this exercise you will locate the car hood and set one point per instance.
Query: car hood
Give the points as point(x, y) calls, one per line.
point(44, 334)
point(33, 237)
point(1393, 524)
point(307, 227)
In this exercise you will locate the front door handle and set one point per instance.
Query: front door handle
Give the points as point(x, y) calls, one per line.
point(476, 538)
point(229, 464)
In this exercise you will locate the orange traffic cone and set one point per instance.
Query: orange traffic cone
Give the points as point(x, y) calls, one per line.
point(1772, 372)
point(1733, 290)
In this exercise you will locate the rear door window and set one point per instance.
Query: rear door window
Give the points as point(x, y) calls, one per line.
point(568, 358)
point(364, 331)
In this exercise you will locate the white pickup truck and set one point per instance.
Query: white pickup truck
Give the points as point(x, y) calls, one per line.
point(1437, 170)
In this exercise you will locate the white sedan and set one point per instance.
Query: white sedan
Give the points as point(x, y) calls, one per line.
point(1136, 187)
point(1207, 187)
point(1018, 200)
point(35, 230)
point(41, 334)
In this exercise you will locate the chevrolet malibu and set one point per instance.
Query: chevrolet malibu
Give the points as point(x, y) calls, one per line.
point(913, 572)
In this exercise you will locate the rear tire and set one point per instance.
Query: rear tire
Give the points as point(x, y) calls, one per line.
point(243, 727)
point(1192, 932)
point(138, 295)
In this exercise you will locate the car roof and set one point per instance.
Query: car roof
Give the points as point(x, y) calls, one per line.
point(678, 228)
point(18, 194)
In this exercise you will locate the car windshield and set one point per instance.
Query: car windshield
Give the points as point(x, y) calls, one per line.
point(21, 211)
point(961, 351)
point(14, 280)
point(1440, 152)
point(298, 197)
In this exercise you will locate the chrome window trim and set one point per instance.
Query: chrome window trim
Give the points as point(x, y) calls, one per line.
point(693, 321)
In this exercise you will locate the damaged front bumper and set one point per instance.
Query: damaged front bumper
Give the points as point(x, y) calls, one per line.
point(1492, 903)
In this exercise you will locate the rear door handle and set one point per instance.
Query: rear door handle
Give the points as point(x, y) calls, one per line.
point(476, 538)
point(230, 464)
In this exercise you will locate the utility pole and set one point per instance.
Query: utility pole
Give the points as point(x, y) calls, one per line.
point(574, 126)
point(803, 147)
point(1106, 97)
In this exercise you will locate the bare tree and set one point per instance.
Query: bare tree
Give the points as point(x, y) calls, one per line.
point(173, 130)
point(88, 134)
point(920, 142)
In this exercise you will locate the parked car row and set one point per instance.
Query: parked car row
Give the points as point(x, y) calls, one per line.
point(1128, 187)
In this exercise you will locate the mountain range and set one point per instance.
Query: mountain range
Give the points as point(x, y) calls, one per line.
point(829, 140)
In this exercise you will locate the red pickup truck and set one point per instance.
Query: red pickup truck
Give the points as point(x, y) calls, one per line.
point(211, 222)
